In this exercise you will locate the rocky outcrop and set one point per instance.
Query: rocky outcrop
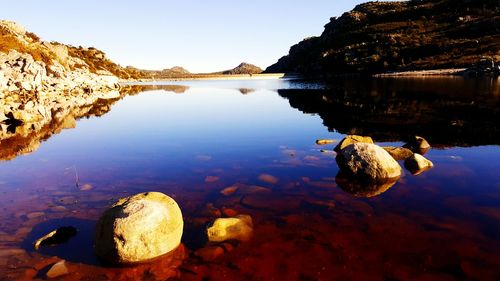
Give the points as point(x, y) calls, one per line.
point(369, 162)
point(378, 37)
point(139, 228)
point(43, 83)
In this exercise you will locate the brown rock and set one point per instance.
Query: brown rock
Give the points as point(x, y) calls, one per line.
point(229, 190)
point(398, 153)
point(58, 269)
point(418, 145)
point(268, 178)
point(352, 139)
point(323, 141)
point(417, 164)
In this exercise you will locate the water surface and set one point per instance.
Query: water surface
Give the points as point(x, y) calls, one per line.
point(191, 139)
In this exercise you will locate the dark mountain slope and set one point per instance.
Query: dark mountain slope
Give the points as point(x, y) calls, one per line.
point(378, 37)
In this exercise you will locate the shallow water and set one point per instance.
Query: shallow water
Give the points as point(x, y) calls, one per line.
point(191, 139)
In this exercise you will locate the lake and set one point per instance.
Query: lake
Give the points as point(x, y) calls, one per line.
point(193, 139)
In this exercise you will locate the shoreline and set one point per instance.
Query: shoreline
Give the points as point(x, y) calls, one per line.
point(424, 73)
point(208, 77)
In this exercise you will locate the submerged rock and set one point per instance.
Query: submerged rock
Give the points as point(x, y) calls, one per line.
point(58, 269)
point(398, 153)
point(58, 236)
point(418, 145)
point(365, 161)
point(352, 139)
point(139, 228)
point(268, 178)
point(418, 164)
point(236, 228)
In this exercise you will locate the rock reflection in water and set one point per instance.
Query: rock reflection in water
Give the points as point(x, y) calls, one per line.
point(19, 137)
point(363, 188)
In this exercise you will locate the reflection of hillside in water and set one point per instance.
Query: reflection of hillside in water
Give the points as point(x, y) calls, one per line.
point(447, 111)
point(23, 138)
point(136, 89)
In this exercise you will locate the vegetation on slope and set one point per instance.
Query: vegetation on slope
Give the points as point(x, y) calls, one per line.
point(378, 37)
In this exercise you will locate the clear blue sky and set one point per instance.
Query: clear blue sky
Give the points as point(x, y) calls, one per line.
point(200, 35)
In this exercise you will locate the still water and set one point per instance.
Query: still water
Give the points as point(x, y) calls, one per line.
point(192, 139)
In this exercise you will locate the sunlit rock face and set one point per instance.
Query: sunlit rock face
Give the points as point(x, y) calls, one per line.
point(369, 162)
point(418, 164)
point(139, 228)
point(236, 228)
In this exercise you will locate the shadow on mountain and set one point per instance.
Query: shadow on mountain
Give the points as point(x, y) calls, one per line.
point(447, 111)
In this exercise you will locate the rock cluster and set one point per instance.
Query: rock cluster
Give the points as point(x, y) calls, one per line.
point(367, 169)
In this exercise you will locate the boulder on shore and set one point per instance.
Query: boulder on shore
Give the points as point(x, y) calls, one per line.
point(365, 161)
point(351, 139)
point(139, 228)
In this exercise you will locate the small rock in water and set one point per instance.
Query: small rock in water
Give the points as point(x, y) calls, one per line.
point(86, 187)
point(237, 228)
point(58, 269)
point(229, 190)
point(139, 228)
point(365, 161)
point(398, 153)
point(418, 164)
point(268, 178)
point(210, 179)
point(35, 215)
point(352, 139)
point(58, 236)
point(418, 145)
point(323, 141)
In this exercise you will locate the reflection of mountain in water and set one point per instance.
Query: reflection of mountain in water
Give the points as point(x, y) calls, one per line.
point(136, 89)
point(23, 138)
point(447, 111)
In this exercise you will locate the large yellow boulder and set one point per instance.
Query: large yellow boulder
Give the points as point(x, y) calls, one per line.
point(139, 228)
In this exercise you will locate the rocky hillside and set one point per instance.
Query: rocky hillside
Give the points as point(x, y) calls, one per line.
point(244, 68)
point(41, 82)
point(378, 37)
